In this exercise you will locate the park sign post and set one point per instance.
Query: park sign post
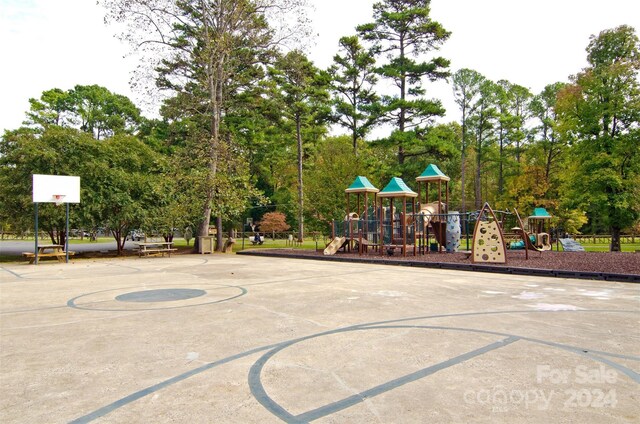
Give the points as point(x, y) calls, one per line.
point(56, 189)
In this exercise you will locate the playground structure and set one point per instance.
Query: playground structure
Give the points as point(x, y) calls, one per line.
point(397, 220)
point(538, 241)
point(488, 239)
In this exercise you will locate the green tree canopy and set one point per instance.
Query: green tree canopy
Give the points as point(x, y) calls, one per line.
point(353, 80)
point(601, 112)
point(90, 108)
point(403, 31)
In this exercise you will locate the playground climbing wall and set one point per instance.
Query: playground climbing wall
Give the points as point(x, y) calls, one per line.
point(488, 242)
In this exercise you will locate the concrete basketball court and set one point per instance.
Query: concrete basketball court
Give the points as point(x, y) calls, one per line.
point(241, 339)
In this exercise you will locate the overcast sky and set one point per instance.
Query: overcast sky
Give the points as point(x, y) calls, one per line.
point(48, 44)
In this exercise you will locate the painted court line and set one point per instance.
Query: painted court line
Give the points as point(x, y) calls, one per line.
point(393, 384)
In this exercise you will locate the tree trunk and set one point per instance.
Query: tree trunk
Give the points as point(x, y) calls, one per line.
point(300, 188)
point(478, 179)
point(403, 112)
point(117, 234)
point(463, 158)
point(501, 166)
point(463, 172)
point(219, 243)
point(214, 79)
point(354, 137)
point(615, 240)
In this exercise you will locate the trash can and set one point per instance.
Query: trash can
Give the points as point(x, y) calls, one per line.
point(206, 244)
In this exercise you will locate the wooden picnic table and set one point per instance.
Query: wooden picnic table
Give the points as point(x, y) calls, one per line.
point(160, 247)
point(48, 251)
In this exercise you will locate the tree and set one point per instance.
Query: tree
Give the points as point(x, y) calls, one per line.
point(332, 169)
point(90, 108)
point(547, 138)
point(273, 222)
point(302, 89)
point(54, 107)
point(601, 111)
point(54, 151)
point(207, 51)
point(125, 186)
point(119, 177)
point(512, 103)
point(466, 91)
point(483, 124)
point(403, 29)
point(353, 79)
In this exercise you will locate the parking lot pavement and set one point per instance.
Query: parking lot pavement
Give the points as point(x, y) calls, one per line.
point(13, 247)
point(230, 338)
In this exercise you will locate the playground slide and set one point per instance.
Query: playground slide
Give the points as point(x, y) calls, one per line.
point(336, 244)
point(439, 228)
point(526, 239)
point(570, 245)
point(543, 242)
point(429, 210)
point(440, 232)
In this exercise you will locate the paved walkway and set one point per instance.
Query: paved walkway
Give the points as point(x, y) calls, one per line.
point(13, 247)
point(230, 339)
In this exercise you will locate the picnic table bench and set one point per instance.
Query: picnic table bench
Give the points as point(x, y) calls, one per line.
point(49, 251)
point(155, 247)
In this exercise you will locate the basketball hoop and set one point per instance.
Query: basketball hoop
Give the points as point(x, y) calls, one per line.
point(58, 199)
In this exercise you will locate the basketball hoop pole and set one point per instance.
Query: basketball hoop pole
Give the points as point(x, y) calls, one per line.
point(36, 248)
point(58, 200)
point(66, 237)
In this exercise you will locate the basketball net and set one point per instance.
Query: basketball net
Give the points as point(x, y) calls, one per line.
point(58, 199)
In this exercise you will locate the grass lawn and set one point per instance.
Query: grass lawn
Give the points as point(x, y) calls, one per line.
point(311, 244)
point(268, 244)
point(604, 247)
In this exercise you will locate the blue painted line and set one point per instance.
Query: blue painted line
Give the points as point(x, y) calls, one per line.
point(152, 389)
point(398, 382)
point(380, 324)
point(71, 303)
point(11, 272)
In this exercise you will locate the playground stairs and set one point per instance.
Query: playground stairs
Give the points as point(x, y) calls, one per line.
point(570, 245)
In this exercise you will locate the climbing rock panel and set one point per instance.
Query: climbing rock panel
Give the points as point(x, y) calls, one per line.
point(488, 241)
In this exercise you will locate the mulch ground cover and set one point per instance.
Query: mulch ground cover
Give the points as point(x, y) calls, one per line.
point(623, 263)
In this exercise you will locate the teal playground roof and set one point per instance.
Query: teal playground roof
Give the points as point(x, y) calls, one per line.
point(540, 213)
point(432, 173)
point(397, 188)
point(361, 185)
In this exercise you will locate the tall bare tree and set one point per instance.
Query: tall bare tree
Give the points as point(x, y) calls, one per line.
point(202, 52)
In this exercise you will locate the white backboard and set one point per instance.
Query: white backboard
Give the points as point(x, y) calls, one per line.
point(47, 187)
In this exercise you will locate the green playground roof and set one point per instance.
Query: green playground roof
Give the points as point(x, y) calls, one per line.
point(361, 185)
point(432, 173)
point(397, 188)
point(540, 213)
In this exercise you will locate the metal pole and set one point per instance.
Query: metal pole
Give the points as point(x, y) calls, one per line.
point(36, 242)
point(66, 237)
point(404, 226)
point(381, 229)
